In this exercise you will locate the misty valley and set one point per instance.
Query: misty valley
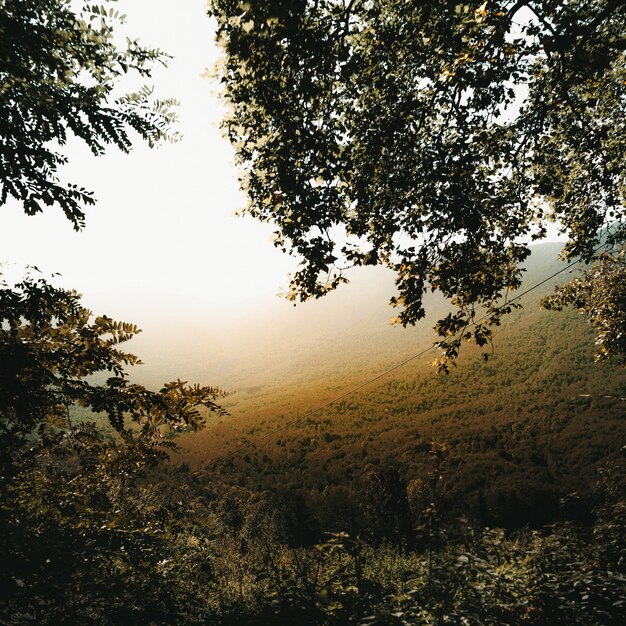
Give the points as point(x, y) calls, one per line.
point(487, 495)
point(313, 316)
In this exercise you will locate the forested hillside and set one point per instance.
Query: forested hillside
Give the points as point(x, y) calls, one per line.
point(524, 429)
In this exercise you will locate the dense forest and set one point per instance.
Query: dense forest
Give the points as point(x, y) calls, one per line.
point(523, 430)
point(464, 464)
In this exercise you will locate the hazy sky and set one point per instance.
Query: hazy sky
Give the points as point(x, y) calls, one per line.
point(162, 236)
point(162, 241)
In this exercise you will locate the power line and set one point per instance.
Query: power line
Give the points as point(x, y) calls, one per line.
point(252, 443)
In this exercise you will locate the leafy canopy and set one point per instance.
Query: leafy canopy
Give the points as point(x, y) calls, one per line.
point(437, 138)
point(50, 349)
point(83, 516)
point(59, 69)
point(80, 521)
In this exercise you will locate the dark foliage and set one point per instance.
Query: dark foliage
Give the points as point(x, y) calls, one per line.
point(81, 535)
point(436, 138)
point(59, 70)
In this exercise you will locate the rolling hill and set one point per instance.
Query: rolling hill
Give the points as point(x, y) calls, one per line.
point(524, 429)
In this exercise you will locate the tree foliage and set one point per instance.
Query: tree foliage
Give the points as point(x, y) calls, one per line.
point(436, 138)
point(600, 295)
point(84, 535)
point(60, 68)
point(51, 348)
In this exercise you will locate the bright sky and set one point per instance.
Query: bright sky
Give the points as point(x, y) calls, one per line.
point(162, 241)
point(162, 235)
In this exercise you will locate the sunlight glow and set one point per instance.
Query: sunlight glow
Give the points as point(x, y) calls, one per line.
point(163, 233)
